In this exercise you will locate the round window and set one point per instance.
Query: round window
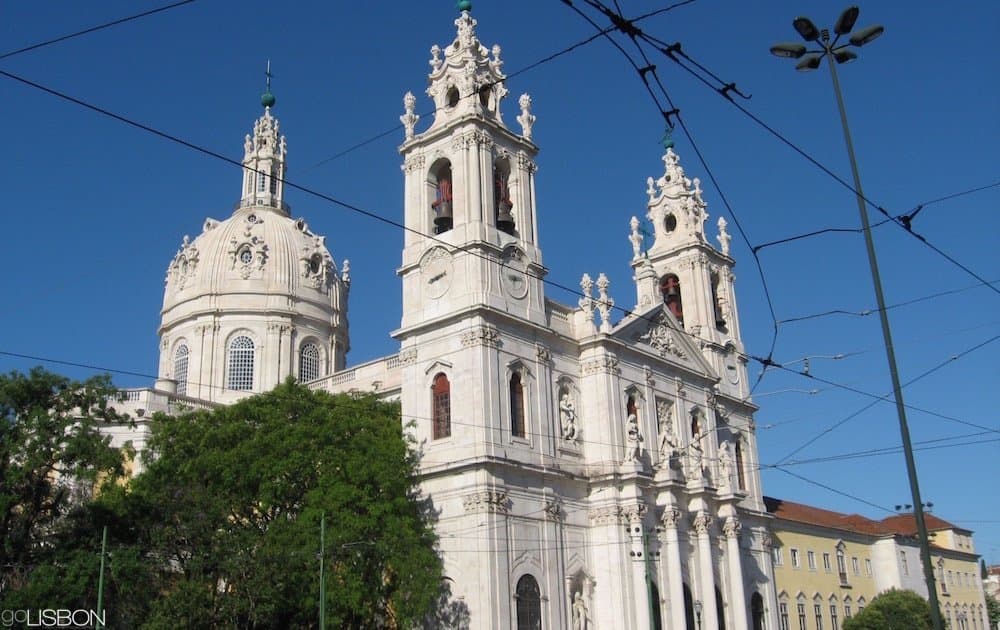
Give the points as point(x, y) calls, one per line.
point(246, 256)
point(314, 263)
point(669, 223)
point(453, 97)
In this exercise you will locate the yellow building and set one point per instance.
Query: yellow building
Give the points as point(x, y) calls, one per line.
point(829, 565)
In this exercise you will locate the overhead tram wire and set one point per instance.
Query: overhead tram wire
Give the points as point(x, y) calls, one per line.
point(835, 491)
point(905, 218)
point(867, 312)
point(348, 206)
point(885, 398)
point(673, 51)
point(625, 26)
point(94, 29)
point(521, 71)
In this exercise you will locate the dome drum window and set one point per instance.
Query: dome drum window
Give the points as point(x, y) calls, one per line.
point(181, 355)
point(241, 364)
point(309, 363)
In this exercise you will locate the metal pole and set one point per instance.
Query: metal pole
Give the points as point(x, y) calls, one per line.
point(100, 579)
point(911, 466)
point(322, 578)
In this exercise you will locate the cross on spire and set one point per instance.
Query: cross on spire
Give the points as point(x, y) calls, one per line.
point(267, 99)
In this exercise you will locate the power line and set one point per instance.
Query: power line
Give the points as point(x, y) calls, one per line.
point(630, 29)
point(674, 51)
point(530, 66)
point(834, 490)
point(870, 311)
point(311, 192)
point(93, 29)
point(879, 399)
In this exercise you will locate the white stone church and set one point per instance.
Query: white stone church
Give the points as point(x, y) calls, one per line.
point(593, 467)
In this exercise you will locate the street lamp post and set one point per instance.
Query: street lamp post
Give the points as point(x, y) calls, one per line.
point(810, 60)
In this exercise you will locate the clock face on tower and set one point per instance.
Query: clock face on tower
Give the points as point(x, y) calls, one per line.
point(436, 272)
point(513, 275)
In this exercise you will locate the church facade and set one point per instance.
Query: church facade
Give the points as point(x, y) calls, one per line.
point(591, 466)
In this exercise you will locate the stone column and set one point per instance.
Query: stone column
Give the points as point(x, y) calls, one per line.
point(671, 575)
point(709, 615)
point(637, 555)
point(737, 596)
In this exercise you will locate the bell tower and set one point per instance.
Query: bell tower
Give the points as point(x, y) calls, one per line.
point(469, 191)
point(692, 278)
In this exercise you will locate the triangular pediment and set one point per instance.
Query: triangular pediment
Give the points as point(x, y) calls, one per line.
point(656, 331)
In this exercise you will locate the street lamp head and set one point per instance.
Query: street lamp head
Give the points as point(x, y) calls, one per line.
point(846, 21)
point(805, 27)
point(788, 49)
point(867, 34)
point(810, 62)
point(697, 606)
point(843, 56)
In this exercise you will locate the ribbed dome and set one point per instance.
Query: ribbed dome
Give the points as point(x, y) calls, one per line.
point(255, 298)
point(258, 251)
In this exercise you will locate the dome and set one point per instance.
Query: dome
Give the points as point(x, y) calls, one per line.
point(254, 298)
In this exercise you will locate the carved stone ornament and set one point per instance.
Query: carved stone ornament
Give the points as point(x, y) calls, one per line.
point(543, 353)
point(407, 357)
point(671, 517)
point(409, 117)
point(184, 264)
point(489, 501)
point(732, 527)
point(554, 510)
point(660, 336)
point(526, 119)
point(605, 364)
point(607, 515)
point(413, 163)
point(481, 336)
point(248, 255)
point(315, 265)
point(701, 523)
point(634, 513)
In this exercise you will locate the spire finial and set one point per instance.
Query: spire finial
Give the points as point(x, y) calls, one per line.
point(464, 5)
point(668, 138)
point(267, 99)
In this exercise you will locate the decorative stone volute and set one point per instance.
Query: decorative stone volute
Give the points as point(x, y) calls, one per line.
point(469, 79)
point(676, 208)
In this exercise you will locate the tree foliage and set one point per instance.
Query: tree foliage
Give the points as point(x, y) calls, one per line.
point(993, 611)
point(222, 529)
point(893, 610)
point(51, 456)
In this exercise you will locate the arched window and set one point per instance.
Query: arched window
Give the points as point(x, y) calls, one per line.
point(501, 197)
point(741, 477)
point(444, 216)
point(670, 287)
point(695, 423)
point(689, 612)
point(720, 318)
point(757, 612)
point(261, 182)
point(181, 368)
point(274, 183)
point(630, 407)
point(529, 604)
point(308, 362)
point(241, 360)
point(516, 405)
point(441, 404)
point(654, 595)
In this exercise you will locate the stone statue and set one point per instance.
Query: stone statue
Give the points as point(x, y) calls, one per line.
point(668, 443)
point(635, 238)
point(724, 237)
point(725, 467)
point(567, 417)
point(409, 117)
point(633, 439)
point(696, 459)
point(581, 616)
point(526, 119)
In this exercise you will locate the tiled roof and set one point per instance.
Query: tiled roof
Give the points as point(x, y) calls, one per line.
point(906, 524)
point(902, 524)
point(801, 513)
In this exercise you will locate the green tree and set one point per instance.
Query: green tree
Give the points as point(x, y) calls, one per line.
point(225, 520)
point(993, 610)
point(51, 456)
point(893, 610)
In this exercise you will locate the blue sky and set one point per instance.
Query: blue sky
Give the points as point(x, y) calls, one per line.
point(94, 210)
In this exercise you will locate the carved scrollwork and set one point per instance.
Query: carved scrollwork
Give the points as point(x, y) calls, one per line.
point(492, 501)
point(671, 517)
point(554, 510)
point(606, 364)
point(702, 521)
point(660, 336)
point(607, 515)
point(481, 336)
